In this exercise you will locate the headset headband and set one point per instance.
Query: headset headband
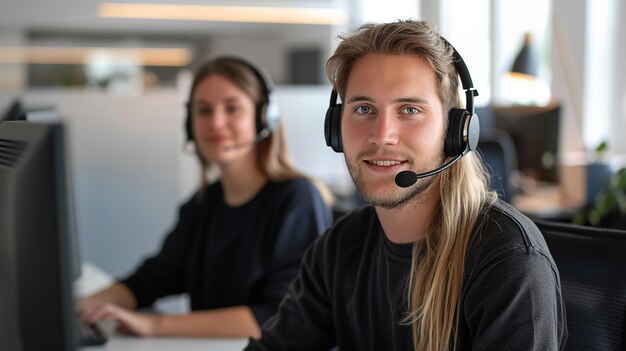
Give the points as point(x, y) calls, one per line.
point(466, 78)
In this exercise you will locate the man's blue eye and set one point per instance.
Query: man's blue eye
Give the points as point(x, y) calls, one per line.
point(363, 109)
point(411, 110)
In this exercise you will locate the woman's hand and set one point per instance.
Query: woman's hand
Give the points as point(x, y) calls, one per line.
point(87, 305)
point(117, 294)
point(129, 322)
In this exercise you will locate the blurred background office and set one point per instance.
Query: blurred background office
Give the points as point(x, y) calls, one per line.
point(118, 74)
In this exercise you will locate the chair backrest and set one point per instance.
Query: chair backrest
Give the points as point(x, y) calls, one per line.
point(592, 266)
point(498, 153)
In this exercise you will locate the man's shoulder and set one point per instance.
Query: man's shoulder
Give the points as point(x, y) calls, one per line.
point(507, 220)
point(363, 216)
point(353, 228)
point(502, 228)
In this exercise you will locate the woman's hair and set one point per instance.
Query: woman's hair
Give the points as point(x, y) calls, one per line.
point(272, 156)
point(436, 276)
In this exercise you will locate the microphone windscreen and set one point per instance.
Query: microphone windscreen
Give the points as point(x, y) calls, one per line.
point(405, 179)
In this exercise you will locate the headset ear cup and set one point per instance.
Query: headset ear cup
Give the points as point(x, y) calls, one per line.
point(271, 115)
point(454, 144)
point(332, 128)
point(188, 126)
point(473, 132)
point(267, 116)
point(259, 117)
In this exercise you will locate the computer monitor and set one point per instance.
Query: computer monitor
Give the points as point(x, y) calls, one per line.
point(38, 251)
point(14, 112)
point(535, 133)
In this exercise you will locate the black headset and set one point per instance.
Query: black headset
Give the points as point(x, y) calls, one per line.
point(267, 114)
point(463, 127)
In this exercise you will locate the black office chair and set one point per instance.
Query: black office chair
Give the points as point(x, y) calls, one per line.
point(499, 155)
point(592, 266)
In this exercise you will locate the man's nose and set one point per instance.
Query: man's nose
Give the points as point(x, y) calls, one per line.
point(384, 130)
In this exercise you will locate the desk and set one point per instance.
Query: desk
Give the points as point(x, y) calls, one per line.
point(94, 279)
point(546, 202)
point(133, 343)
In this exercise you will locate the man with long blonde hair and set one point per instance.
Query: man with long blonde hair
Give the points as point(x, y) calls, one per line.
point(437, 262)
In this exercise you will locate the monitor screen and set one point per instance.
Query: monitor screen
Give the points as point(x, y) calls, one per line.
point(535, 133)
point(38, 250)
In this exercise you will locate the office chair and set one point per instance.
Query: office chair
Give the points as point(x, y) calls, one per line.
point(499, 155)
point(592, 266)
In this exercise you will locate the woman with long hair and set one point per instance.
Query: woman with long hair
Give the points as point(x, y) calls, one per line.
point(239, 240)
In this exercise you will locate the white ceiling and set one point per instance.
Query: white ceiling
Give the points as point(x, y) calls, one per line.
point(81, 16)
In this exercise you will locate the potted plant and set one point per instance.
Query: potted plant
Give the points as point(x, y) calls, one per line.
point(606, 191)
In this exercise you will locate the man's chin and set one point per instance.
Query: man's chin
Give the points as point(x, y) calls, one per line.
point(387, 197)
point(386, 203)
point(391, 196)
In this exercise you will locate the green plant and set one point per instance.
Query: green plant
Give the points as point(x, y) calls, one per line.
point(601, 150)
point(610, 199)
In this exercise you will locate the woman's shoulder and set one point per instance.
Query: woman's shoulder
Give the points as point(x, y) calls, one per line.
point(294, 188)
point(202, 196)
point(293, 184)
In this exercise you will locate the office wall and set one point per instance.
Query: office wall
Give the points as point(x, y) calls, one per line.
point(125, 153)
point(304, 109)
point(12, 76)
point(271, 51)
point(130, 171)
point(568, 47)
point(600, 68)
point(588, 74)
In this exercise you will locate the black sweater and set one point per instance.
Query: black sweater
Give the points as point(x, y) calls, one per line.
point(226, 256)
point(351, 291)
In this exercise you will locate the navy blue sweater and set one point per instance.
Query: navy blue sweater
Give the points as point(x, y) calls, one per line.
point(226, 256)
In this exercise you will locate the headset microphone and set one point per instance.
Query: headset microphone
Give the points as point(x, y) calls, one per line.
point(406, 179)
point(468, 141)
point(259, 138)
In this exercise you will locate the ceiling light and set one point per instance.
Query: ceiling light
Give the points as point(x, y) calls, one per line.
point(176, 57)
point(294, 15)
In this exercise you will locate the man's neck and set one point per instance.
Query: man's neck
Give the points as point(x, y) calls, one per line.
point(408, 223)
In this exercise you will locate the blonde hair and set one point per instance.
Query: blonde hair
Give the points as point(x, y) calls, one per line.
point(272, 156)
point(437, 267)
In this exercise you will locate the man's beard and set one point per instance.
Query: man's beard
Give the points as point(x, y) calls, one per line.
point(396, 198)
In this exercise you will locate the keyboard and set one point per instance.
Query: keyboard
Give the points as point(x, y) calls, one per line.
point(89, 334)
